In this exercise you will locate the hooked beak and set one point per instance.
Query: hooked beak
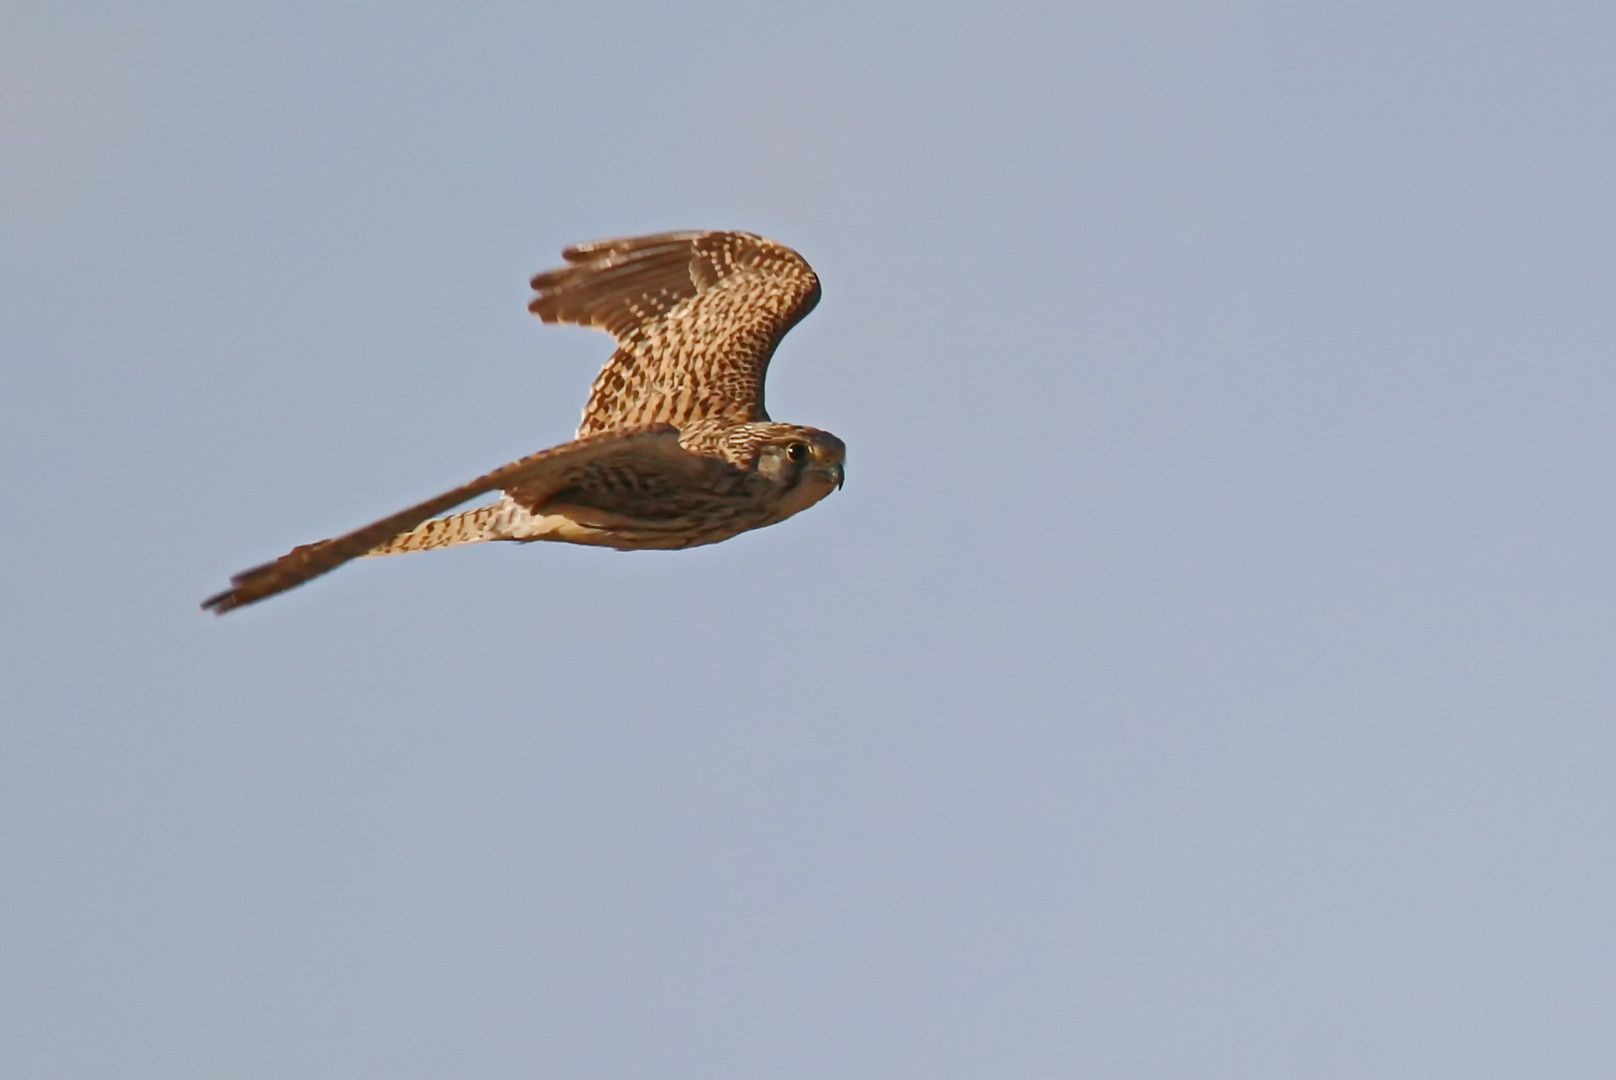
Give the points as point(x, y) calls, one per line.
point(836, 473)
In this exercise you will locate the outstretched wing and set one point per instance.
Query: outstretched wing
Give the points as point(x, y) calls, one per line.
point(591, 463)
point(696, 316)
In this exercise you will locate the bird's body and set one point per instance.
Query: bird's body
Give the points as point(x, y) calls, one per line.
point(696, 500)
point(675, 448)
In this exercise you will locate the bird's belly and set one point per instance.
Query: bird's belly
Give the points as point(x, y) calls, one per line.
point(588, 525)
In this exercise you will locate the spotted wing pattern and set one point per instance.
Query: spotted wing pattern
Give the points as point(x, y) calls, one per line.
point(603, 465)
point(696, 315)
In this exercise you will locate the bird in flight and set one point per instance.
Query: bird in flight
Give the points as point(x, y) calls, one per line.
point(675, 449)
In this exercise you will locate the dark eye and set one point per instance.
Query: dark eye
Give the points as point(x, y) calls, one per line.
point(799, 452)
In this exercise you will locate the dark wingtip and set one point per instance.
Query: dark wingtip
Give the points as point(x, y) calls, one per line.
point(219, 603)
point(250, 586)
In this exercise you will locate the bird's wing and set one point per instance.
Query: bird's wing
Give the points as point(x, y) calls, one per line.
point(588, 463)
point(696, 316)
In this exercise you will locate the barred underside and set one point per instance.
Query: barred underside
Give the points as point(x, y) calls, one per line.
point(468, 527)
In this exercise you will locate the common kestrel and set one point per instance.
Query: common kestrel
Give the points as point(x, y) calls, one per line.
point(675, 448)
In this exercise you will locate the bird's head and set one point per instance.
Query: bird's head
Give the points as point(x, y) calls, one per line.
point(802, 460)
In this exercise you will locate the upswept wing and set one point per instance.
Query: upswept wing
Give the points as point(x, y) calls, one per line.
point(696, 315)
point(593, 462)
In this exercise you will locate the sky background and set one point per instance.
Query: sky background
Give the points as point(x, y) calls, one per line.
point(1207, 670)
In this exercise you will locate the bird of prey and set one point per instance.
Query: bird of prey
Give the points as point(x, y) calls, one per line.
point(675, 448)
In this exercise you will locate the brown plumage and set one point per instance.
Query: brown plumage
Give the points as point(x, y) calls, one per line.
point(675, 448)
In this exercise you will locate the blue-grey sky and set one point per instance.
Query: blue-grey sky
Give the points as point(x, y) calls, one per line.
point(1206, 672)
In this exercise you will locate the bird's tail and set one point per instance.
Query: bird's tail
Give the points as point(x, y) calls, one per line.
point(467, 527)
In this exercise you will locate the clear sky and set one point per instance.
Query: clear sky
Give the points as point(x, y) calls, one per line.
point(1209, 669)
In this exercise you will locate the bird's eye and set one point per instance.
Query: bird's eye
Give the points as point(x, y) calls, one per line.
point(799, 452)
